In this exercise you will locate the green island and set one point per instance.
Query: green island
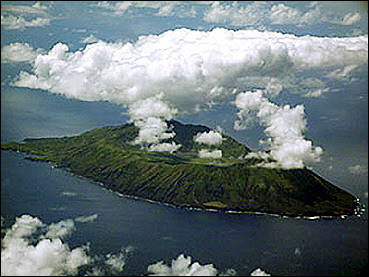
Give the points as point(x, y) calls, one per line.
point(182, 179)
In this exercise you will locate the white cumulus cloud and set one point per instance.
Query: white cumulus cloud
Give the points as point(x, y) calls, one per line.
point(150, 115)
point(234, 14)
point(183, 266)
point(282, 14)
point(197, 66)
point(165, 147)
point(60, 229)
point(116, 262)
point(209, 138)
point(215, 154)
point(19, 257)
point(18, 52)
point(284, 127)
point(259, 272)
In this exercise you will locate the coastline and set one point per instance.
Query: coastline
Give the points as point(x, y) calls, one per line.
point(36, 158)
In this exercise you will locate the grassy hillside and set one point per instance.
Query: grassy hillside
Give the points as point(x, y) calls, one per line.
point(107, 155)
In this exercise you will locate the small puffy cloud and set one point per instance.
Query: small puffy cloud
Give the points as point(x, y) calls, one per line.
point(209, 138)
point(234, 14)
point(165, 147)
point(23, 227)
point(358, 169)
point(90, 39)
point(116, 262)
point(257, 155)
point(183, 266)
point(60, 229)
point(166, 9)
point(259, 272)
point(282, 14)
point(18, 52)
point(215, 154)
point(284, 127)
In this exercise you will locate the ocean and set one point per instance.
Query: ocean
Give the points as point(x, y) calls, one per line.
point(152, 232)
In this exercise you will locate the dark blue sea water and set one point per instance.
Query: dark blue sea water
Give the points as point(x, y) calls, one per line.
point(280, 246)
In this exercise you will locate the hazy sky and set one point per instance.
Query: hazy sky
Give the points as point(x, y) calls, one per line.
point(291, 77)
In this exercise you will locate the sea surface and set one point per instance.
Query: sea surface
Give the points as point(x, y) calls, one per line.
point(153, 232)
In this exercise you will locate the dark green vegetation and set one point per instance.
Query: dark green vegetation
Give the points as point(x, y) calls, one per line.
point(182, 179)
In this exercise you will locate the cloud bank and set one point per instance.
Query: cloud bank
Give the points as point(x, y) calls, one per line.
point(182, 71)
point(200, 67)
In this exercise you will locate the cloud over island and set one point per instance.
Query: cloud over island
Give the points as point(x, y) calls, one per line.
point(181, 71)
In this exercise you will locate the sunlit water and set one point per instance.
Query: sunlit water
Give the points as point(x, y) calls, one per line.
point(280, 246)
